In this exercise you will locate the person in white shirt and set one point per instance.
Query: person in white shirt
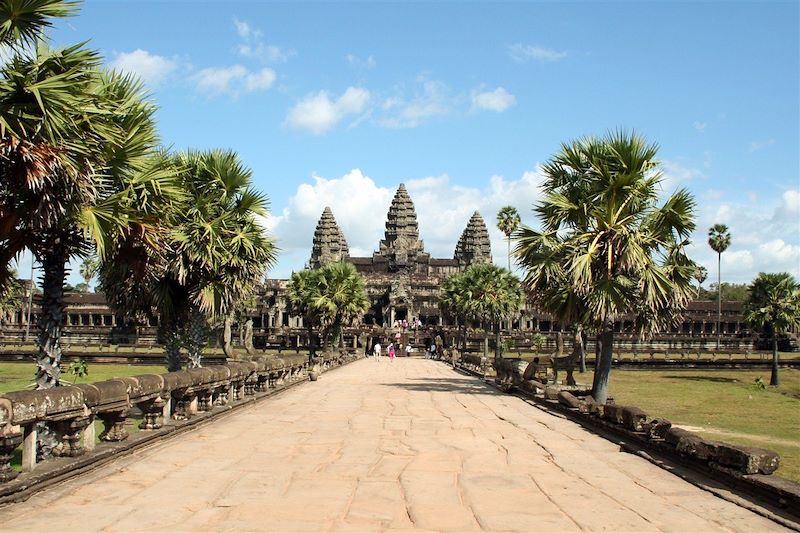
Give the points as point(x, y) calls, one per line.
point(377, 350)
point(408, 350)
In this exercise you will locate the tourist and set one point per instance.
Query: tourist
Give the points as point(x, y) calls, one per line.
point(376, 350)
point(390, 351)
point(433, 351)
point(408, 350)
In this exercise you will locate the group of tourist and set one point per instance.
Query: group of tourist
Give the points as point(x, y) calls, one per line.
point(391, 350)
point(414, 323)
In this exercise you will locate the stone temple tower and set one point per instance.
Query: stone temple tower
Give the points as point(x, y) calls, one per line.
point(474, 245)
point(329, 244)
point(401, 245)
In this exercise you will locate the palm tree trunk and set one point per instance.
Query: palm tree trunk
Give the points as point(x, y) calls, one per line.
point(603, 367)
point(719, 294)
point(172, 345)
point(195, 338)
point(773, 379)
point(497, 351)
point(48, 358)
point(509, 253)
point(582, 357)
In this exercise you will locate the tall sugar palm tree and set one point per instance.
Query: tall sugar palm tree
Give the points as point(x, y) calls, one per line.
point(773, 303)
point(719, 238)
point(606, 247)
point(508, 221)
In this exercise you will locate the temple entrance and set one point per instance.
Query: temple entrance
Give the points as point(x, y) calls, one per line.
point(401, 314)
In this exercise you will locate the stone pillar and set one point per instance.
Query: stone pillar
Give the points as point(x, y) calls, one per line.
point(29, 448)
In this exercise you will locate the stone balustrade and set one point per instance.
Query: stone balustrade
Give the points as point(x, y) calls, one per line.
point(69, 412)
point(637, 423)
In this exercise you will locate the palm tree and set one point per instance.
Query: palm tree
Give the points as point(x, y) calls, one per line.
point(700, 275)
point(88, 269)
point(328, 298)
point(719, 238)
point(23, 22)
point(773, 303)
point(210, 254)
point(508, 221)
point(488, 293)
point(452, 301)
point(606, 247)
point(341, 299)
point(302, 291)
point(73, 140)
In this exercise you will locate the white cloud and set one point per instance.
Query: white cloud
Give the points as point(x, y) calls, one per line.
point(260, 80)
point(252, 44)
point(317, 113)
point(764, 237)
point(360, 207)
point(151, 68)
point(355, 61)
point(498, 100)
point(432, 98)
point(677, 175)
point(754, 146)
point(700, 126)
point(525, 52)
point(233, 80)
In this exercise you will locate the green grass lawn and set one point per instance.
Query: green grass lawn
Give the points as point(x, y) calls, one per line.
point(723, 405)
point(19, 376)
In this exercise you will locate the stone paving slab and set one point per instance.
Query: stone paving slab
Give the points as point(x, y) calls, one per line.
point(408, 446)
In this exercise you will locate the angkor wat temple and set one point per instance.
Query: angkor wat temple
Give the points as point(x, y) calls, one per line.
point(402, 281)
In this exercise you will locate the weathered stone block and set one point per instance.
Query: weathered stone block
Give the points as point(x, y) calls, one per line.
point(696, 446)
point(657, 428)
point(551, 393)
point(566, 398)
point(612, 412)
point(747, 460)
point(673, 435)
point(634, 418)
point(58, 403)
point(589, 406)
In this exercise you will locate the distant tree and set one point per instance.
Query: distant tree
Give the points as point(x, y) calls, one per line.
point(607, 248)
point(719, 238)
point(508, 221)
point(734, 292)
point(328, 298)
point(82, 288)
point(487, 294)
point(773, 305)
point(209, 255)
point(700, 275)
point(88, 270)
point(11, 297)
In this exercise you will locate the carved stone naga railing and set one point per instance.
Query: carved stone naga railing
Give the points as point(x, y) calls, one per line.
point(69, 412)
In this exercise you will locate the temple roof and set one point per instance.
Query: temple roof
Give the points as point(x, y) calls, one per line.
point(474, 245)
point(402, 230)
point(329, 244)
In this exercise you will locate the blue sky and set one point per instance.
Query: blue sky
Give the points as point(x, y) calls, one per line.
point(337, 103)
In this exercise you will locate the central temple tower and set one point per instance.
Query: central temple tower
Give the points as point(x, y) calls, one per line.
point(401, 247)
